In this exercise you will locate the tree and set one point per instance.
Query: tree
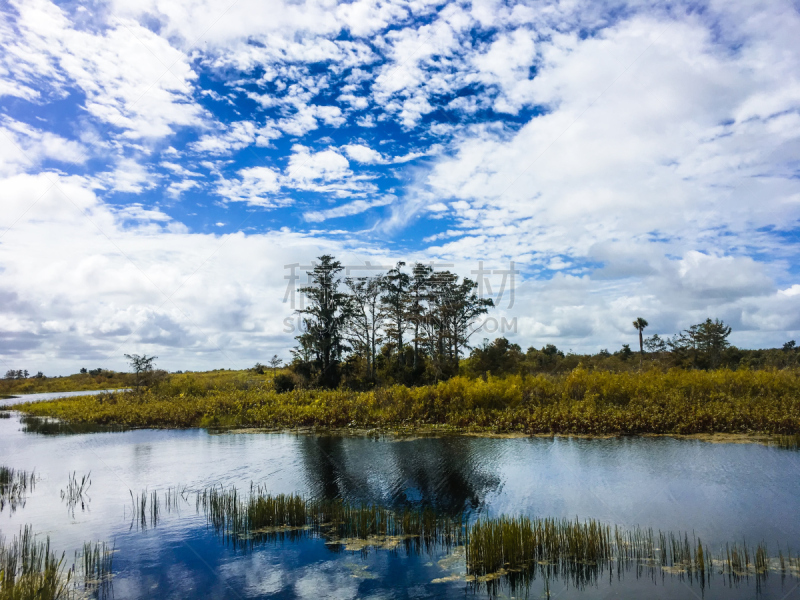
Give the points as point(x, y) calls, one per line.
point(366, 317)
point(143, 368)
point(639, 324)
point(655, 344)
point(395, 304)
point(702, 344)
point(325, 319)
point(84, 371)
point(625, 353)
point(418, 290)
point(275, 363)
point(498, 358)
point(789, 346)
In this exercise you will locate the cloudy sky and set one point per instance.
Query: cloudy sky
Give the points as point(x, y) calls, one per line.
point(162, 162)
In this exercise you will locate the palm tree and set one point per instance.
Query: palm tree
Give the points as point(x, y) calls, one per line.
point(639, 324)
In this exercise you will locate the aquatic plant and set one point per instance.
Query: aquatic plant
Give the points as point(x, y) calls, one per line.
point(30, 570)
point(518, 548)
point(260, 516)
point(5, 414)
point(96, 562)
point(14, 486)
point(77, 492)
point(582, 402)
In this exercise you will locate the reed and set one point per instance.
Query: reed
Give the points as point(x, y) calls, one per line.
point(77, 492)
point(96, 564)
point(30, 570)
point(260, 516)
point(14, 486)
point(519, 547)
point(5, 414)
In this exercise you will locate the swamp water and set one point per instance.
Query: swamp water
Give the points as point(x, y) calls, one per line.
point(719, 493)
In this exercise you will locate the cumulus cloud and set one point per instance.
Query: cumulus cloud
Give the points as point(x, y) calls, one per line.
point(131, 78)
point(632, 159)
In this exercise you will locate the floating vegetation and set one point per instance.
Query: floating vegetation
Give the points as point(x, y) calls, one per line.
point(260, 516)
point(5, 414)
point(77, 492)
point(516, 549)
point(31, 570)
point(14, 486)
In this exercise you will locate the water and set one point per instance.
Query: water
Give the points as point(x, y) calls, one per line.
point(721, 492)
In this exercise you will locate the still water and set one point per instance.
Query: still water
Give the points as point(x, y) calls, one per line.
point(720, 492)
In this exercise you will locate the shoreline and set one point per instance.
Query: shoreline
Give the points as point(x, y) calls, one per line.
point(765, 439)
point(431, 431)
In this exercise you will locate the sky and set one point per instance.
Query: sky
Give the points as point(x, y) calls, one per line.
point(163, 164)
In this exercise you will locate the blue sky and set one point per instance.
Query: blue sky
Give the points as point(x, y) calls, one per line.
point(162, 161)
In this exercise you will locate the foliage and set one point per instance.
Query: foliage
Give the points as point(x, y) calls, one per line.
point(144, 370)
point(581, 401)
point(35, 385)
point(440, 309)
point(321, 345)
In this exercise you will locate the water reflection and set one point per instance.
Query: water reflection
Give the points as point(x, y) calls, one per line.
point(722, 492)
point(453, 474)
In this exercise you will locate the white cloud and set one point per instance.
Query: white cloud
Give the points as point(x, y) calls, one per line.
point(132, 78)
point(104, 276)
point(258, 186)
point(346, 210)
point(236, 136)
point(363, 154)
point(25, 147)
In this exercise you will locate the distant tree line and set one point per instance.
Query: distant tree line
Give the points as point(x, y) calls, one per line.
point(701, 346)
point(21, 374)
point(408, 325)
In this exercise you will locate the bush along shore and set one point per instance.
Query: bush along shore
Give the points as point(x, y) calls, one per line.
point(579, 402)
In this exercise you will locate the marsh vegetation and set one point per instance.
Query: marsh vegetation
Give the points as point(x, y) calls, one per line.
point(14, 486)
point(31, 570)
point(579, 402)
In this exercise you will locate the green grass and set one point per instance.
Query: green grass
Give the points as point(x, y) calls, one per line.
point(581, 402)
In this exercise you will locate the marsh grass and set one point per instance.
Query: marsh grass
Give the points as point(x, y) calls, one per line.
point(77, 492)
point(258, 516)
point(580, 402)
point(14, 486)
point(5, 414)
point(30, 570)
point(94, 563)
point(518, 549)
